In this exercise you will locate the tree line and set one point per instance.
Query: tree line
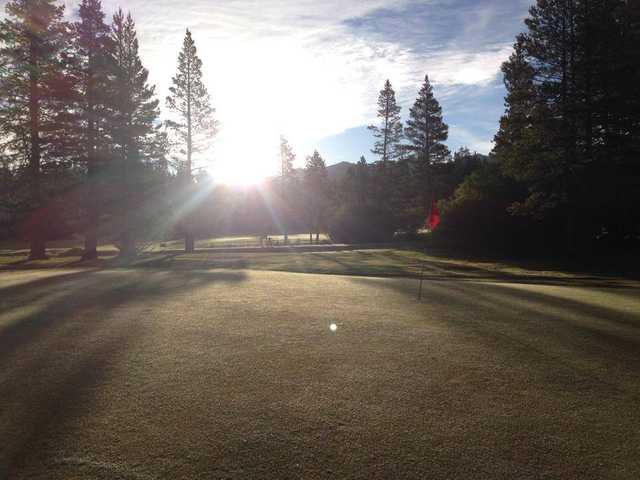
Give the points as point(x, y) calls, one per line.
point(83, 149)
point(564, 173)
point(82, 146)
point(565, 170)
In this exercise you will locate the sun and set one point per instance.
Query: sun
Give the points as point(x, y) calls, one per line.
point(277, 88)
point(244, 161)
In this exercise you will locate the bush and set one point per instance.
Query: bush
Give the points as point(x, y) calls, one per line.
point(478, 218)
point(362, 224)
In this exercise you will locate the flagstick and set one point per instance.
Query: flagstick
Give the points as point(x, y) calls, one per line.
point(421, 278)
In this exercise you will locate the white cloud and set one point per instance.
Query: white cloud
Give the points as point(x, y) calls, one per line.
point(464, 136)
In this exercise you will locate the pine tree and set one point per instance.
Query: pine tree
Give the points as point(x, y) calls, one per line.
point(357, 183)
point(567, 132)
point(389, 133)
point(316, 192)
point(287, 157)
point(93, 48)
point(515, 142)
point(35, 93)
point(426, 132)
point(194, 123)
point(138, 144)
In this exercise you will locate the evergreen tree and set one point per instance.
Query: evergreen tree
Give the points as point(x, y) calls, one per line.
point(389, 133)
point(93, 47)
point(357, 183)
point(426, 132)
point(287, 157)
point(194, 124)
point(34, 96)
point(568, 130)
point(517, 146)
point(316, 192)
point(138, 144)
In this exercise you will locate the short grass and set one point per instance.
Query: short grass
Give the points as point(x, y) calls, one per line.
point(152, 373)
point(235, 241)
point(403, 260)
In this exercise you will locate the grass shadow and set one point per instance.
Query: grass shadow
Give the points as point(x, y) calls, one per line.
point(57, 336)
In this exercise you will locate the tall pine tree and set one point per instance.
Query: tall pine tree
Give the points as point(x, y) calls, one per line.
point(316, 186)
point(138, 144)
point(93, 49)
point(34, 113)
point(426, 131)
point(568, 130)
point(287, 157)
point(389, 133)
point(194, 123)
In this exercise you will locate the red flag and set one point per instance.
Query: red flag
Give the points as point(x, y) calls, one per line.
point(434, 217)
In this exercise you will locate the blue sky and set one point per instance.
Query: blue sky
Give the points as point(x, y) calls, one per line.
point(311, 70)
point(460, 44)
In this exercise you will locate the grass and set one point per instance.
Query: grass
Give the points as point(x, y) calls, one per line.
point(235, 241)
point(193, 373)
point(229, 253)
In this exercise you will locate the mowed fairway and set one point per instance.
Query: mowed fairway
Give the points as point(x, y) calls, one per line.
point(236, 374)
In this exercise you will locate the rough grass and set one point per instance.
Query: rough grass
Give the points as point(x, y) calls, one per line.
point(188, 373)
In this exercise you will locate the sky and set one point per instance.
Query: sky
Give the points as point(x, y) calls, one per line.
point(311, 70)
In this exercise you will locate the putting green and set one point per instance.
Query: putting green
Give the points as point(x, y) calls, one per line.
point(139, 374)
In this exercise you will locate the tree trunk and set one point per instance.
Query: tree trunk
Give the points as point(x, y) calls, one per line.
point(128, 245)
point(91, 233)
point(90, 241)
point(37, 248)
point(189, 242)
point(38, 234)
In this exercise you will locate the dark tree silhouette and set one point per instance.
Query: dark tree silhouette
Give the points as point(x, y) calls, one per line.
point(569, 131)
point(138, 144)
point(316, 185)
point(194, 123)
point(426, 132)
point(389, 133)
point(35, 93)
point(93, 48)
point(287, 157)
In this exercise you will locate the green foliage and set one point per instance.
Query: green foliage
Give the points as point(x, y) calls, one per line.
point(389, 133)
point(34, 105)
point(362, 223)
point(426, 133)
point(426, 130)
point(139, 147)
point(193, 123)
point(569, 130)
point(317, 192)
point(356, 186)
point(94, 107)
point(476, 216)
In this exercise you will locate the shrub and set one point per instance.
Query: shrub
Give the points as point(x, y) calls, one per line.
point(362, 224)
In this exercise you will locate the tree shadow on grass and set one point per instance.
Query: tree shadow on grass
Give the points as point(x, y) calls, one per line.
point(536, 323)
point(58, 338)
point(180, 261)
